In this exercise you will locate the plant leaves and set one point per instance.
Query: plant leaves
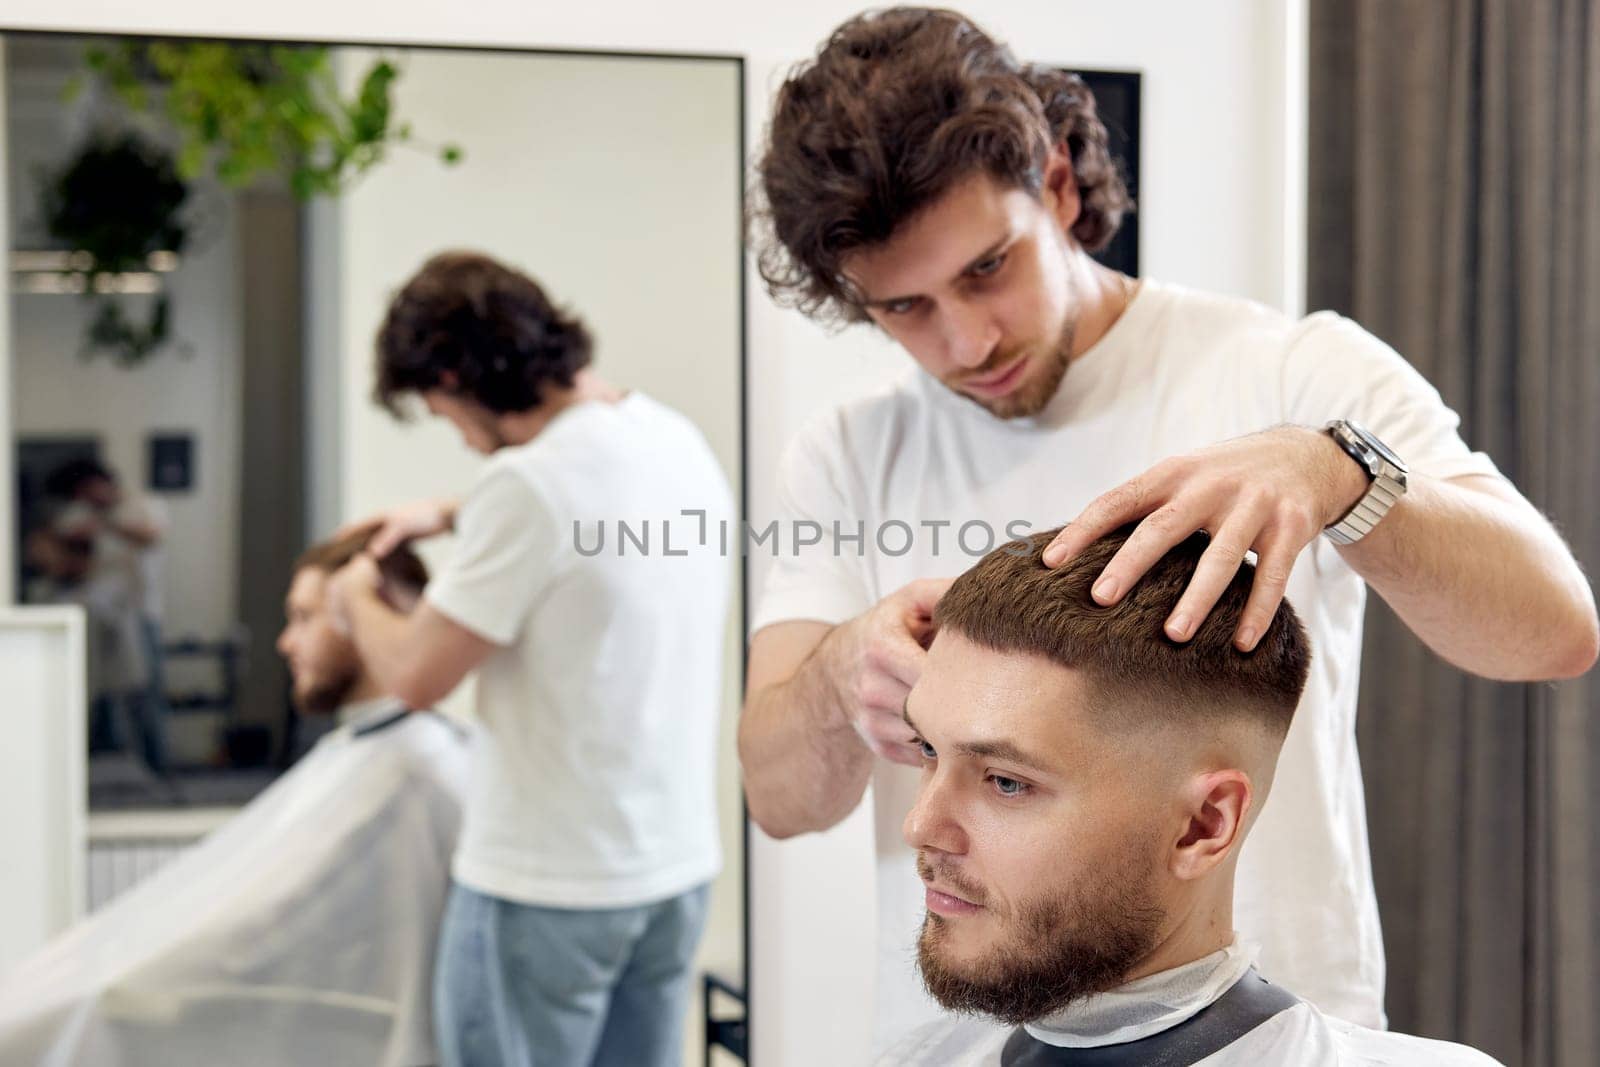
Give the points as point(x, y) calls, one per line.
point(248, 110)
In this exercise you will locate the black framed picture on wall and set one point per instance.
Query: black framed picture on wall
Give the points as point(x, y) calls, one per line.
point(1116, 96)
point(171, 462)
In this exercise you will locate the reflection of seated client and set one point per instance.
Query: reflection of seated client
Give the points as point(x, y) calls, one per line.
point(1087, 786)
point(302, 931)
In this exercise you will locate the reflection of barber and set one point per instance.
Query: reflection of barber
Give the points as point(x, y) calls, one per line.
point(590, 834)
point(123, 589)
point(1087, 785)
point(920, 179)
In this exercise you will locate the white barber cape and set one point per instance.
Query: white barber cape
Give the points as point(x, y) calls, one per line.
point(1125, 1025)
point(300, 932)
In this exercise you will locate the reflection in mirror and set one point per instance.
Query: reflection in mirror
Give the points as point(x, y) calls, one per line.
point(205, 238)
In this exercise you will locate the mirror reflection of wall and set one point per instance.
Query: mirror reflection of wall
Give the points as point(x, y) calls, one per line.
point(162, 395)
point(181, 436)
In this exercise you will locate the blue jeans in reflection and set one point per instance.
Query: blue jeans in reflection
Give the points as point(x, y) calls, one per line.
point(517, 985)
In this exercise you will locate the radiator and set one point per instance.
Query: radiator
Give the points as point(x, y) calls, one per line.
point(126, 847)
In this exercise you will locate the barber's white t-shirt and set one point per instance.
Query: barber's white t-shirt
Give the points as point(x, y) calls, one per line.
point(1178, 370)
point(594, 771)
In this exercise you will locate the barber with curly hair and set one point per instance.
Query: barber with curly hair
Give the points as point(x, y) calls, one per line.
point(589, 834)
point(919, 178)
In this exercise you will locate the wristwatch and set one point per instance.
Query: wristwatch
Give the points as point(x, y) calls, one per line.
point(1388, 474)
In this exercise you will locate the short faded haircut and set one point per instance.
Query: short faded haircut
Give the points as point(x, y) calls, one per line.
point(1011, 602)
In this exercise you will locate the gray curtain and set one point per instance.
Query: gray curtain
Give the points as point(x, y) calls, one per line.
point(1455, 212)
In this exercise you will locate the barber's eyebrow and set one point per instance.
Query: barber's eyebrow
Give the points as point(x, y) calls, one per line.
point(997, 748)
point(988, 253)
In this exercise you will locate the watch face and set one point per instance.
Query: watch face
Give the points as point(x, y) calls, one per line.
point(1371, 441)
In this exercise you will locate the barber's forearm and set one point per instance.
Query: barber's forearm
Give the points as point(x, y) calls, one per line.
point(805, 767)
point(142, 535)
point(381, 638)
point(1482, 578)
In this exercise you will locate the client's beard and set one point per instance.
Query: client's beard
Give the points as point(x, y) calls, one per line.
point(1059, 951)
point(327, 698)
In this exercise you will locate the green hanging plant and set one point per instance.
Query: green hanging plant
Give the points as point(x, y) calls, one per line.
point(128, 342)
point(120, 199)
point(246, 110)
point(115, 204)
point(240, 112)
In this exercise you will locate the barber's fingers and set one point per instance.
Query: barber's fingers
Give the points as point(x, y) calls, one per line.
point(897, 655)
point(1217, 567)
point(888, 736)
point(393, 534)
point(920, 597)
point(877, 693)
point(366, 522)
point(905, 629)
point(1132, 500)
point(880, 719)
point(1276, 552)
point(896, 753)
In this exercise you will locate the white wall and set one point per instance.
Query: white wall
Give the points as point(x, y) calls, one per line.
point(42, 775)
point(323, 368)
point(612, 181)
point(1285, 49)
point(1221, 101)
point(54, 391)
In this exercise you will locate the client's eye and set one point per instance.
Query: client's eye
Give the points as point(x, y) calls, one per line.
point(1008, 787)
point(926, 749)
point(988, 266)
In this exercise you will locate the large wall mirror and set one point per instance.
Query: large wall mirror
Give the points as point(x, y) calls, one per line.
point(193, 302)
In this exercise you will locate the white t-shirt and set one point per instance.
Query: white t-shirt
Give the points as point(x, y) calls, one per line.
point(143, 567)
point(149, 561)
point(1177, 371)
point(595, 773)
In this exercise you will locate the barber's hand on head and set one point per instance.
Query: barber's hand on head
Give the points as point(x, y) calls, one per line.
point(407, 522)
point(1270, 492)
point(881, 653)
point(358, 577)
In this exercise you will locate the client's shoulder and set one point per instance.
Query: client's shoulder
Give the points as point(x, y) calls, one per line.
point(1380, 1048)
point(423, 744)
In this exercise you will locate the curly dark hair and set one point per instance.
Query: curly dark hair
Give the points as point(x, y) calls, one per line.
point(898, 106)
point(491, 326)
point(65, 480)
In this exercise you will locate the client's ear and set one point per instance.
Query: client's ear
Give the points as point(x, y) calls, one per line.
point(1216, 803)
